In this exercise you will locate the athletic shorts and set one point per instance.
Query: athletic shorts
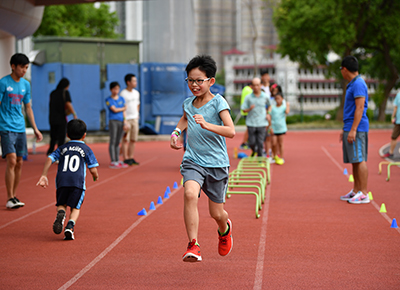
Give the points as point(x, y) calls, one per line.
point(279, 134)
point(396, 131)
point(12, 142)
point(357, 151)
point(70, 196)
point(213, 181)
point(133, 131)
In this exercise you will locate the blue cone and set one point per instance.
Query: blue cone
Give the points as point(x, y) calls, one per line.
point(242, 155)
point(175, 185)
point(394, 224)
point(159, 201)
point(168, 190)
point(166, 194)
point(152, 206)
point(345, 171)
point(142, 212)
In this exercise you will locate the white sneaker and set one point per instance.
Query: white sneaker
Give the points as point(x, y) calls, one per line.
point(20, 203)
point(359, 198)
point(348, 196)
point(12, 203)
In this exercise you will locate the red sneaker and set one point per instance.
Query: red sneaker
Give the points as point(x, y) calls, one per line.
point(193, 252)
point(226, 241)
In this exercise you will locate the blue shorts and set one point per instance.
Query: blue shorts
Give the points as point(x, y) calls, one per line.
point(13, 142)
point(357, 151)
point(70, 196)
point(213, 181)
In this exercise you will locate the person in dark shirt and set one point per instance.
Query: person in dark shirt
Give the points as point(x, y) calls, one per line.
point(60, 107)
point(72, 158)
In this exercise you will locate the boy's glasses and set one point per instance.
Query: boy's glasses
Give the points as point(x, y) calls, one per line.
point(198, 82)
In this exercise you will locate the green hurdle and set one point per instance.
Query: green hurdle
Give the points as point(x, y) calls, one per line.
point(258, 196)
point(256, 162)
point(239, 177)
point(389, 164)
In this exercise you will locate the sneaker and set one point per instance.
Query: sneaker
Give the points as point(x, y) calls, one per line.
point(21, 204)
point(134, 162)
point(115, 165)
point(279, 160)
point(226, 241)
point(12, 203)
point(271, 160)
point(387, 155)
point(122, 164)
point(59, 222)
point(193, 252)
point(128, 161)
point(359, 198)
point(348, 196)
point(244, 146)
point(69, 232)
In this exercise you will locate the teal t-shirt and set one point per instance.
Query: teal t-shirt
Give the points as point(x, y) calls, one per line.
point(278, 118)
point(12, 95)
point(206, 148)
point(396, 103)
point(257, 117)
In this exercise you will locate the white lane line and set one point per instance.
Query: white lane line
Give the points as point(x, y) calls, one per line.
point(262, 243)
point(112, 246)
point(124, 171)
point(384, 215)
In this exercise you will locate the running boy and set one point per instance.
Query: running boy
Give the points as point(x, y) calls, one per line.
point(70, 179)
point(205, 163)
point(116, 124)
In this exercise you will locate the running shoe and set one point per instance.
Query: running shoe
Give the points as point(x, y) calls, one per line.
point(12, 204)
point(348, 196)
point(387, 155)
point(59, 222)
point(193, 252)
point(271, 160)
point(244, 146)
point(20, 203)
point(122, 164)
point(359, 198)
point(69, 232)
point(226, 241)
point(134, 162)
point(279, 160)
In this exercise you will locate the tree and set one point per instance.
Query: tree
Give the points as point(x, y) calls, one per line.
point(80, 20)
point(310, 29)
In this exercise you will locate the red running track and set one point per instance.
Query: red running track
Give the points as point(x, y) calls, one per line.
point(306, 238)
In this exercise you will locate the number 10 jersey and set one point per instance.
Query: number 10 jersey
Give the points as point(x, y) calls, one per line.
point(73, 157)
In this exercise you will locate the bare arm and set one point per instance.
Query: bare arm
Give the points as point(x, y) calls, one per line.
point(394, 114)
point(182, 125)
point(43, 181)
point(117, 110)
point(31, 118)
point(357, 118)
point(71, 109)
point(94, 173)
point(227, 130)
point(287, 111)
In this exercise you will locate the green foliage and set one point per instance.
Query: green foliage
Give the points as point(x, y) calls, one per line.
point(220, 77)
point(80, 20)
point(292, 119)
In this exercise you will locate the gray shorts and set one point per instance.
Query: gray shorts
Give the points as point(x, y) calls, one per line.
point(357, 151)
point(213, 181)
point(12, 142)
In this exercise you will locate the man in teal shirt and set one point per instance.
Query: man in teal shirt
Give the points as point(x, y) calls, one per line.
point(255, 104)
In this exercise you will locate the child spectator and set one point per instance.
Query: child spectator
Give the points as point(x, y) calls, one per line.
point(279, 109)
point(70, 179)
point(205, 164)
point(116, 116)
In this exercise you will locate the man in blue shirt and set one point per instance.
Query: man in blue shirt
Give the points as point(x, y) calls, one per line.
point(15, 91)
point(355, 130)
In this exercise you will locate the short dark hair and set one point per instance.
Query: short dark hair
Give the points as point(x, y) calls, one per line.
point(351, 63)
point(19, 59)
point(205, 63)
point(128, 77)
point(76, 128)
point(113, 85)
point(264, 73)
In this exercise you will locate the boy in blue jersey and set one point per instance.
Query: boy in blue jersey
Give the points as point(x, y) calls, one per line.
point(205, 165)
point(15, 91)
point(355, 130)
point(70, 180)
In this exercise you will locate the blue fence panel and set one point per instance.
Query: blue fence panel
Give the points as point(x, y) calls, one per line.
point(85, 92)
point(43, 81)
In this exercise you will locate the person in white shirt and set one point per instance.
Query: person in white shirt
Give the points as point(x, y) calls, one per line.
point(132, 101)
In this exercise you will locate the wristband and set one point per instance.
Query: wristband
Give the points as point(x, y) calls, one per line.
point(174, 134)
point(178, 130)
